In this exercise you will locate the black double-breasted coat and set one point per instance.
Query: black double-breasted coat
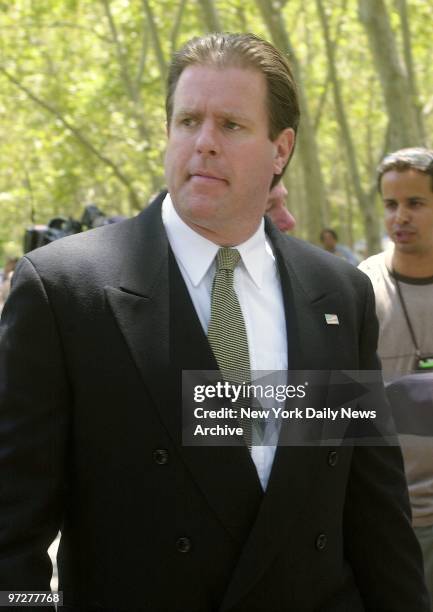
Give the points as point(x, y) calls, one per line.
point(93, 341)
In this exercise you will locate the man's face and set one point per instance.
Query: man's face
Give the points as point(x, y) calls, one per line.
point(408, 200)
point(276, 208)
point(220, 161)
point(328, 241)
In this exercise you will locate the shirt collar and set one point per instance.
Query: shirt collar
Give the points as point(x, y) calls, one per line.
point(186, 243)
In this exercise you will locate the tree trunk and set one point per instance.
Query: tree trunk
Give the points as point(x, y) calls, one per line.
point(366, 206)
point(210, 15)
point(306, 140)
point(296, 199)
point(408, 60)
point(404, 129)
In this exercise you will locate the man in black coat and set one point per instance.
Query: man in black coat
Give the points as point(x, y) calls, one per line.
point(94, 339)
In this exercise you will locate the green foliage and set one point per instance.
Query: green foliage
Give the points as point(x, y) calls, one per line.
point(107, 85)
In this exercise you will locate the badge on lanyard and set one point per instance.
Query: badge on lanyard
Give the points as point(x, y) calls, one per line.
point(424, 363)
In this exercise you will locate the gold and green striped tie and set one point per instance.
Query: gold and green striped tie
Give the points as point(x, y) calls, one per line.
point(227, 333)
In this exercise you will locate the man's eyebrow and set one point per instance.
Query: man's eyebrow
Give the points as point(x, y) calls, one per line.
point(186, 111)
point(409, 198)
point(224, 114)
point(237, 116)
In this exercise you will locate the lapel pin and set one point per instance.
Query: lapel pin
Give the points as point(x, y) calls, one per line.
point(332, 319)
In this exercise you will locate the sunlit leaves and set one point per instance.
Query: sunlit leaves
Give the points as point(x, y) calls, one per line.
point(64, 52)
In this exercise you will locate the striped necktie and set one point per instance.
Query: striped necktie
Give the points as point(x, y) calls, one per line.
point(227, 333)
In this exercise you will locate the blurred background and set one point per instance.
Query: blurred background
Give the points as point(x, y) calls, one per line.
point(82, 86)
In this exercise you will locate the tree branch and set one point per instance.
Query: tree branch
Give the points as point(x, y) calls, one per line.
point(318, 117)
point(155, 38)
point(55, 24)
point(132, 90)
point(78, 135)
point(177, 24)
point(123, 64)
point(143, 57)
point(322, 100)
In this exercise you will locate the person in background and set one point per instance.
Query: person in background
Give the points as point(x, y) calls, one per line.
point(402, 279)
point(276, 208)
point(329, 240)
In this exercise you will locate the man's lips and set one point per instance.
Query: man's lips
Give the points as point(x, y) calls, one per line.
point(207, 177)
point(403, 235)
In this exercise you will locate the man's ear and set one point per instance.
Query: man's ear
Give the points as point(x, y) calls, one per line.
point(283, 147)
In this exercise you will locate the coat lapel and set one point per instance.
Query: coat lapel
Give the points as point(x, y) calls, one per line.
point(155, 314)
point(140, 303)
point(295, 469)
point(226, 475)
point(312, 343)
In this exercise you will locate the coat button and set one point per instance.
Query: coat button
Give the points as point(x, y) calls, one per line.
point(183, 545)
point(160, 456)
point(321, 542)
point(333, 458)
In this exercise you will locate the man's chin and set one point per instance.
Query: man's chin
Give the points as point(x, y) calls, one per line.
point(201, 214)
point(408, 248)
point(199, 206)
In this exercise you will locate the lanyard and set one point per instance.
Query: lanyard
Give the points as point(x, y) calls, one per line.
point(406, 316)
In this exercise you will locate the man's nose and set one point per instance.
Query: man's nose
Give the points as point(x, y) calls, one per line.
point(402, 214)
point(207, 142)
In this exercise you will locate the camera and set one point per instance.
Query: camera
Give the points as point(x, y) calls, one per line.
point(59, 227)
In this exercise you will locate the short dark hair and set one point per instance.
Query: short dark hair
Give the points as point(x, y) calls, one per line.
point(413, 158)
point(222, 50)
point(328, 230)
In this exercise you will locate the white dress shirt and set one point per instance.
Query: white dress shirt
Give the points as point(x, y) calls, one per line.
point(257, 285)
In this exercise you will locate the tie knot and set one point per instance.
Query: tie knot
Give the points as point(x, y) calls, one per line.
point(227, 259)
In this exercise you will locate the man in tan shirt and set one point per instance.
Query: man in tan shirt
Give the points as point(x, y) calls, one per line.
point(402, 278)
